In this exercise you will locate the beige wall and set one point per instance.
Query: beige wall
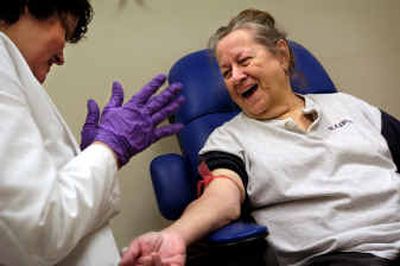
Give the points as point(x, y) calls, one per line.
point(358, 42)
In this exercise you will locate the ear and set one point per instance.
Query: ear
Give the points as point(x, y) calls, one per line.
point(283, 53)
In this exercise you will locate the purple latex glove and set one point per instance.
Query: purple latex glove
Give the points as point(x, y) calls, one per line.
point(89, 129)
point(131, 127)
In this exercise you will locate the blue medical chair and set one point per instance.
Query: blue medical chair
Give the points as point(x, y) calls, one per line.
point(207, 106)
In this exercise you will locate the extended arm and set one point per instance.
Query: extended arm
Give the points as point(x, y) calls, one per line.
point(218, 205)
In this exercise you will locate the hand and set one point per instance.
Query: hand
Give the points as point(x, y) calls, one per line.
point(89, 129)
point(156, 249)
point(131, 127)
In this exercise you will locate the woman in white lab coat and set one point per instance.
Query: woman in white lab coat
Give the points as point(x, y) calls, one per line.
point(56, 201)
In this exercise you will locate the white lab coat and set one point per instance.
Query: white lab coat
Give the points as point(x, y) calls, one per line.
point(55, 202)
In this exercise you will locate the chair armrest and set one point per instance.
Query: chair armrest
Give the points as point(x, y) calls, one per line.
point(171, 183)
point(235, 244)
point(237, 232)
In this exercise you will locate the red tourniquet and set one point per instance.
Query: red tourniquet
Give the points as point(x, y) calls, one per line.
point(207, 176)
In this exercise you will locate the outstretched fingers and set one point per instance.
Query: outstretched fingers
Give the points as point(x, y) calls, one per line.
point(168, 110)
point(165, 97)
point(117, 95)
point(93, 113)
point(148, 90)
point(167, 130)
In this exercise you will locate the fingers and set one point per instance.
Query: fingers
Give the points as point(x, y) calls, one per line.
point(141, 249)
point(157, 260)
point(153, 259)
point(131, 255)
point(147, 91)
point(117, 95)
point(177, 260)
point(157, 243)
point(167, 131)
point(159, 101)
point(168, 110)
point(93, 113)
point(126, 260)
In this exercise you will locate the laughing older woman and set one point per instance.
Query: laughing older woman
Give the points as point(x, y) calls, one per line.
point(321, 171)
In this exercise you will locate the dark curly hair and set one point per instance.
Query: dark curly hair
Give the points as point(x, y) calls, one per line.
point(11, 10)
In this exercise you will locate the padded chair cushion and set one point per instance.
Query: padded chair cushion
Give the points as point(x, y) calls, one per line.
point(207, 94)
point(309, 75)
point(203, 126)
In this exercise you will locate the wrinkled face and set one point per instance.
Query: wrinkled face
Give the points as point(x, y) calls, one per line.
point(41, 42)
point(255, 77)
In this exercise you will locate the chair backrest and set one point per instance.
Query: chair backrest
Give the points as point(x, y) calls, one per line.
point(208, 104)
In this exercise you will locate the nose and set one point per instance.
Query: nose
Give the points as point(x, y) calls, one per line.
point(237, 74)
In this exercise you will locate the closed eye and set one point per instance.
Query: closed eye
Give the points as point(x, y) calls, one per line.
point(245, 61)
point(226, 73)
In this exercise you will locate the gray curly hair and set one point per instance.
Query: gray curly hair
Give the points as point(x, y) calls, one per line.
point(263, 26)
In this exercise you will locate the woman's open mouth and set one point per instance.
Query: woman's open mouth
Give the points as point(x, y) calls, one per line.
point(250, 91)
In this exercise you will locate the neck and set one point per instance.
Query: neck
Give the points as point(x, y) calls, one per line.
point(295, 112)
point(292, 106)
point(285, 106)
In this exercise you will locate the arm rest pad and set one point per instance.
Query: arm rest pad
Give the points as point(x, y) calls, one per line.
point(238, 232)
point(171, 185)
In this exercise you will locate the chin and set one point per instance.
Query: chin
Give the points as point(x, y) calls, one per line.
point(40, 78)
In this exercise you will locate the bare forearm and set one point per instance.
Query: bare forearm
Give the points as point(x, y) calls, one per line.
point(219, 205)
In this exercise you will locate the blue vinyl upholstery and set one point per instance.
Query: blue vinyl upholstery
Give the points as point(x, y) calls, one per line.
point(207, 106)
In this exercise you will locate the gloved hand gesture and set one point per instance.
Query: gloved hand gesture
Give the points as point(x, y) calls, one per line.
point(131, 127)
point(89, 129)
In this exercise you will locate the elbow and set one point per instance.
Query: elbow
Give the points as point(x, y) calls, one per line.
point(229, 214)
point(222, 202)
point(234, 213)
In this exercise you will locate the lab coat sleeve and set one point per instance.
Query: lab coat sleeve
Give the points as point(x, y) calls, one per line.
point(45, 209)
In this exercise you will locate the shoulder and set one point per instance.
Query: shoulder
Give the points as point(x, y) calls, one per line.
point(225, 137)
point(232, 126)
point(342, 100)
point(344, 103)
point(333, 97)
point(339, 98)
